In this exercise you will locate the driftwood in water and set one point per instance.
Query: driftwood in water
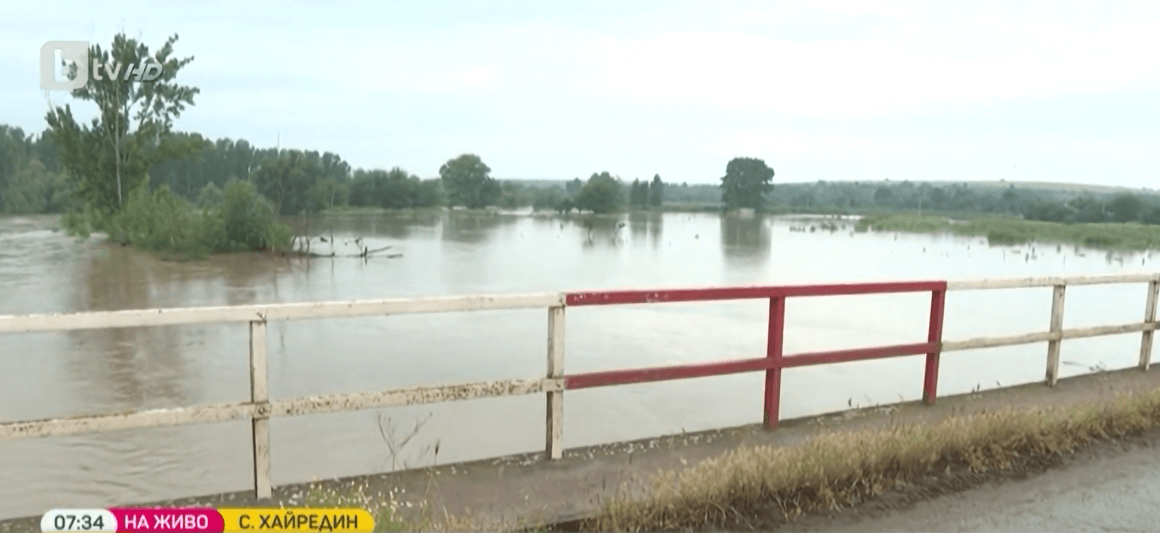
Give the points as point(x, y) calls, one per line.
point(364, 253)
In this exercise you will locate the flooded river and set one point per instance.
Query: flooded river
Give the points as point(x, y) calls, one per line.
point(48, 375)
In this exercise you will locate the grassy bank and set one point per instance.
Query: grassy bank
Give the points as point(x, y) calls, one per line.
point(1112, 236)
point(829, 471)
point(842, 468)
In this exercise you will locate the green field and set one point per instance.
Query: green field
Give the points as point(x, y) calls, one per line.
point(1110, 236)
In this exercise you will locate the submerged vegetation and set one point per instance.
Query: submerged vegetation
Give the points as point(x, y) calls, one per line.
point(1111, 235)
point(234, 219)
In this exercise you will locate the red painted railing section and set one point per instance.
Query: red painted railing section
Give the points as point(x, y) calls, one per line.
point(774, 360)
point(938, 303)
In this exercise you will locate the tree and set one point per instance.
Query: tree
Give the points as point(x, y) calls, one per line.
point(656, 192)
point(468, 183)
point(636, 196)
point(27, 191)
point(602, 194)
point(288, 180)
point(133, 130)
point(573, 187)
point(746, 182)
point(1126, 208)
point(1153, 216)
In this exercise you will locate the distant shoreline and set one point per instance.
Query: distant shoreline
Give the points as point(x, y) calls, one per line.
point(1126, 236)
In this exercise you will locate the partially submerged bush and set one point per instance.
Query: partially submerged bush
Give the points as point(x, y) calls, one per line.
point(234, 219)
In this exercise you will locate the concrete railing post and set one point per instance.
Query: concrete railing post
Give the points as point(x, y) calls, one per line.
point(1149, 318)
point(555, 412)
point(259, 396)
point(1056, 328)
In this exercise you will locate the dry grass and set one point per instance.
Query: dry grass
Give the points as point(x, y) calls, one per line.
point(838, 469)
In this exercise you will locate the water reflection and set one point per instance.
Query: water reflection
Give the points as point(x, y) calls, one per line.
point(402, 224)
point(474, 227)
point(745, 240)
point(603, 231)
point(646, 226)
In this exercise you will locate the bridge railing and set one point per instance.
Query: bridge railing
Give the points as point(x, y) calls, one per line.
point(260, 408)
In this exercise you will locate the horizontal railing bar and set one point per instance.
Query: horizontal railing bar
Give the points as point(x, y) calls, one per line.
point(1019, 283)
point(1032, 338)
point(741, 293)
point(120, 421)
point(721, 368)
point(412, 396)
point(647, 375)
point(287, 311)
point(859, 354)
point(299, 406)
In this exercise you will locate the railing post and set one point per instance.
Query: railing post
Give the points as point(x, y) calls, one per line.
point(1150, 318)
point(555, 412)
point(259, 395)
point(773, 350)
point(938, 303)
point(1056, 327)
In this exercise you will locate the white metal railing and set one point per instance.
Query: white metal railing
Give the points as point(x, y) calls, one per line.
point(260, 408)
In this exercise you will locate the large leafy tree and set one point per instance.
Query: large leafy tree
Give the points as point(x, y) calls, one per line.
point(111, 155)
point(468, 182)
point(746, 182)
point(602, 194)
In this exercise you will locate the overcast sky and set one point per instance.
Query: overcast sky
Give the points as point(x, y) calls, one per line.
point(858, 90)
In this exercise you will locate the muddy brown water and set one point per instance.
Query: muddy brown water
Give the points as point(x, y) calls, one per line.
point(50, 375)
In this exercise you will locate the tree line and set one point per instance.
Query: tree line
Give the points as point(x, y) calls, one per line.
point(129, 172)
point(32, 180)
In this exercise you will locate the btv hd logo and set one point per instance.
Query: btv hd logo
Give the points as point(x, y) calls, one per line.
point(76, 53)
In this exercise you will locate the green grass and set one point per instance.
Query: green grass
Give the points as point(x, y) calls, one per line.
point(836, 469)
point(1111, 236)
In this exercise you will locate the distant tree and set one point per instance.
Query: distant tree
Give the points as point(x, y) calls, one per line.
point(468, 182)
point(883, 195)
point(27, 191)
point(573, 187)
point(746, 182)
point(1125, 208)
point(547, 199)
point(656, 192)
point(602, 194)
point(330, 192)
point(1153, 216)
point(638, 194)
point(1047, 212)
point(288, 181)
point(937, 197)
